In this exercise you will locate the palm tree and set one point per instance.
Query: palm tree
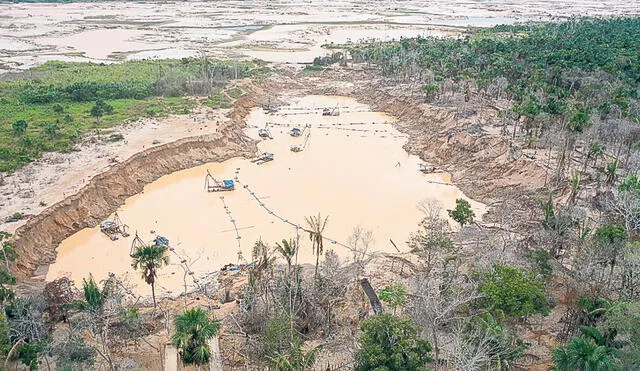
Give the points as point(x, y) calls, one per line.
point(606, 338)
point(94, 298)
point(317, 225)
point(194, 328)
point(288, 250)
point(582, 354)
point(149, 259)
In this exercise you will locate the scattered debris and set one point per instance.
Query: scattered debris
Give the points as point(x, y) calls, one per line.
point(161, 241)
point(237, 267)
point(14, 218)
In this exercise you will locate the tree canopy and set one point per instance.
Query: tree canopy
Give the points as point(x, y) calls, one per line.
point(391, 343)
point(516, 292)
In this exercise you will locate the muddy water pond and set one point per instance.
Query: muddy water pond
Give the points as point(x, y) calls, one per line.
point(352, 168)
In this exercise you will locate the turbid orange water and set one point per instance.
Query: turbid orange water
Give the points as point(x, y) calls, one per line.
point(353, 169)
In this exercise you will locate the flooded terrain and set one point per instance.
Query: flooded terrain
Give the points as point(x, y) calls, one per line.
point(282, 31)
point(352, 168)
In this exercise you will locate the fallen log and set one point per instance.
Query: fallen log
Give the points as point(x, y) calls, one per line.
point(371, 294)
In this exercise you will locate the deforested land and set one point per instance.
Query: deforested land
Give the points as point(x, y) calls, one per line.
point(434, 186)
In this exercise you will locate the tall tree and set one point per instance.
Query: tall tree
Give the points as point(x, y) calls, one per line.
point(149, 259)
point(100, 109)
point(462, 213)
point(317, 225)
point(288, 250)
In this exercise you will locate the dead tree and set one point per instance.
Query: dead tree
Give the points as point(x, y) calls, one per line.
point(373, 297)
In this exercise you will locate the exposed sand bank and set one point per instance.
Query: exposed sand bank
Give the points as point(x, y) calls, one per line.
point(283, 31)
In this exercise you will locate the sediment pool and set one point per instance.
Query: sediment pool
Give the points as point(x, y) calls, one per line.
point(352, 169)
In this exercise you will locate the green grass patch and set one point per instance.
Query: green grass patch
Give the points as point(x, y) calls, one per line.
point(49, 108)
point(218, 100)
point(313, 67)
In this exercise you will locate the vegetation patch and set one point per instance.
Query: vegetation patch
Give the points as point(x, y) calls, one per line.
point(50, 107)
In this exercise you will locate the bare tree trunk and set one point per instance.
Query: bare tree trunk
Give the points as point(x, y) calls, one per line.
point(153, 293)
point(436, 348)
point(13, 349)
point(6, 260)
point(317, 263)
point(373, 297)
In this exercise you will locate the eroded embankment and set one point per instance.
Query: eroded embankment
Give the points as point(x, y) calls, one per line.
point(483, 165)
point(36, 241)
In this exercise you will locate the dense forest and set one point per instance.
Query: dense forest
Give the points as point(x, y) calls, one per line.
point(50, 107)
point(570, 80)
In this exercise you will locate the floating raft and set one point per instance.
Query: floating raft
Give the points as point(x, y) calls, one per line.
point(115, 227)
point(424, 168)
point(264, 157)
point(428, 169)
point(211, 184)
point(331, 111)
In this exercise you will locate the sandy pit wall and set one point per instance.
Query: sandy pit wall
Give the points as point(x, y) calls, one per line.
point(37, 240)
point(479, 161)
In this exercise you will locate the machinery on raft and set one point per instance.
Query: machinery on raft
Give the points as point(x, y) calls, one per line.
point(263, 158)
point(212, 184)
point(113, 228)
point(301, 147)
point(335, 111)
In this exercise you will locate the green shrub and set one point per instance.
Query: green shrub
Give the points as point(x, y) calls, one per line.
point(516, 292)
point(391, 343)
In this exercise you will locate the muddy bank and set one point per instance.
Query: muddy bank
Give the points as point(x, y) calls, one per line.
point(484, 165)
point(36, 241)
